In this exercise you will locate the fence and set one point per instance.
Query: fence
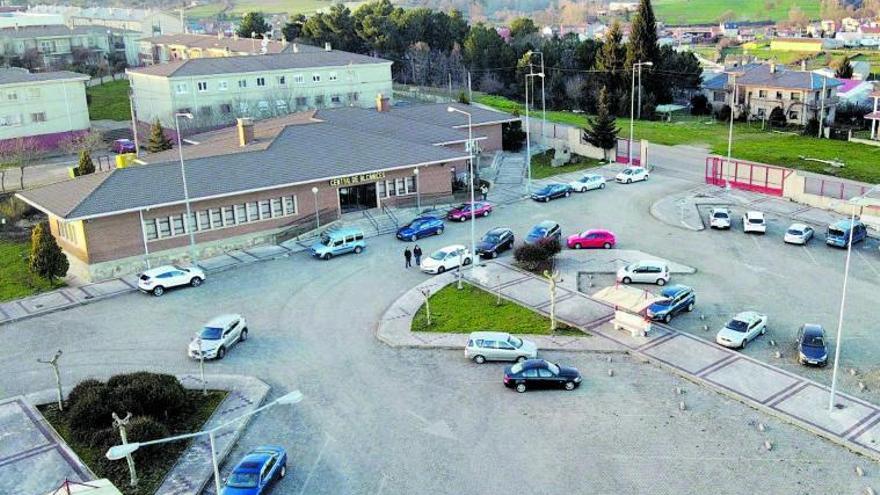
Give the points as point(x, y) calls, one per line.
point(306, 223)
point(833, 188)
point(622, 152)
point(738, 174)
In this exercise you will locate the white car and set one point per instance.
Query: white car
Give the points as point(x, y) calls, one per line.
point(719, 218)
point(632, 174)
point(157, 280)
point(753, 221)
point(217, 336)
point(588, 182)
point(646, 272)
point(798, 233)
point(446, 258)
point(742, 329)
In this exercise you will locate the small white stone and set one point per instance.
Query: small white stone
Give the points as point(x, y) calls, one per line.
point(862, 386)
point(702, 317)
point(772, 342)
point(860, 471)
point(682, 406)
point(679, 390)
point(852, 371)
point(778, 355)
point(768, 445)
point(761, 427)
point(869, 490)
point(705, 328)
point(610, 372)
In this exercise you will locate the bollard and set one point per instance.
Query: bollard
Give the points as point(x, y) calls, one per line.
point(862, 386)
point(705, 328)
point(761, 427)
point(860, 471)
point(768, 445)
point(608, 359)
point(702, 317)
point(682, 406)
point(610, 372)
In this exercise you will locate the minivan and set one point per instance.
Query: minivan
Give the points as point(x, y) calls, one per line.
point(339, 241)
point(498, 346)
point(838, 233)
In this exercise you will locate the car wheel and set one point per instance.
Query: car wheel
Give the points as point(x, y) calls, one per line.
point(283, 472)
point(520, 359)
point(584, 189)
point(413, 238)
point(577, 246)
point(602, 186)
point(646, 178)
point(690, 307)
point(440, 231)
point(466, 262)
point(667, 318)
point(243, 335)
point(567, 194)
point(661, 282)
point(479, 359)
point(462, 219)
point(629, 181)
point(441, 269)
point(521, 387)
point(196, 281)
point(326, 256)
point(626, 280)
point(742, 345)
point(607, 245)
point(493, 254)
point(158, 290)
point(358, 250)
point(547, 199)
point(221, 352)
point(569, 386)
point(764, 330)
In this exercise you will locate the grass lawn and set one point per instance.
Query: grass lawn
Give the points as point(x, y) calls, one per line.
point(749, 142)
point(277, 6)
point(472, 309)
point(205, 11)
point(16, 281)
point(150, 475)
point(542, 168)
point(109, 101)
point(684, 12)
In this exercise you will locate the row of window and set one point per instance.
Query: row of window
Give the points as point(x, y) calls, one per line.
point(265, 106)
point(396, 187)
point(259, 82)
point(17, 119)
point(66, 230)
point(12, 95)
point(220, 217)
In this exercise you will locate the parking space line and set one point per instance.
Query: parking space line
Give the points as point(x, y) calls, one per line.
point(314, 466)
point(813, 258)
point(868, 262)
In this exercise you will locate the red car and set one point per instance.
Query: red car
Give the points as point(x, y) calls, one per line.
point(592, 239)
point(462, 212)
point(123, 146)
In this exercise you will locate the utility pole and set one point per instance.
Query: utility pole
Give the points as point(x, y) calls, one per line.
point(822, 106)
point(449, 78)
point(640, 93)
point(730, 131)
point(134, 128)
point(202, 366)
point(121, 424)
point(54, 364)
point(470, 92)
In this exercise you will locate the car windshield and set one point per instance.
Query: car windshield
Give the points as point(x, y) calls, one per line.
point(463, 206)
point(325, 239)
point(794, 232)
point(491, 238)
point(663, 302)
point(538, 232)
point(720, 214)
point(738, 326)
point(243, 480)
point(545, 190)
point(627, 172)
point(814, 341)
point(515, 342)
point(211, 333)
point(835, 232)
point(516, 368)
point(553, 368)
point(439, 255)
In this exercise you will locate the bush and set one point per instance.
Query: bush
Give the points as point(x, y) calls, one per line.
point(91, 412)
point(723, 114)
point(14, 209)
point(812, 128)
point(512, 136)
point(143, 428)
point(149, 394)
point(83, 388)
point(537, 257)
point(777, 117)
point(700, 105)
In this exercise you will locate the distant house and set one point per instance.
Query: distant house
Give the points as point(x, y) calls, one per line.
point(22, 19)
point(762, 87)
point(829, 26)
point(622, 7)
point(855, 91)
point(813, 45)
point(170, 47)
point(861, 70)
point(850, 24)
point(869, 32)
point(58, 46)
point(729, 29)
point(148, 22)
point(874, 116)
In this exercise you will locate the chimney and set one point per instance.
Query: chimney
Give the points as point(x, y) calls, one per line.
point(327, 47)
point(803, 65)
point(295, 48)
point(382, 104)
point(245, 131)
point(772, 67)
point(235, 35)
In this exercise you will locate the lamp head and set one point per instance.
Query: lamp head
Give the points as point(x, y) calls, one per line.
point(120, 451)
point(450, 109)
point(290, 398)
point(315, 190)
point(648, 64)
point(185, 115)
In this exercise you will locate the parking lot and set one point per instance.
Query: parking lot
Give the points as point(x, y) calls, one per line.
point(377, 420)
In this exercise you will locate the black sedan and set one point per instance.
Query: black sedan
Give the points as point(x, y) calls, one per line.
point(812, 346)
point(538, 373)
point(494, 242)
point(552, 191)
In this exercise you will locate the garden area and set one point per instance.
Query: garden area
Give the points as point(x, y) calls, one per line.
point(16, 278)
point(472, 309)
point(160, 407)
point(542, 164)
point(109, 101)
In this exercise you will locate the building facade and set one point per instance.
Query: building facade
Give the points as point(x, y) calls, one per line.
point(147, 22)
point(44, 108)
point(219, 90)
point(171, 47)
point(58, 46)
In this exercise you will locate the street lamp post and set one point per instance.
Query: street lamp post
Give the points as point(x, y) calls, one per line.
point(528, 134)
point(418, 192)
point(191, 222)
point(543, 99)
point(317, 215)
point(122, 451)
point(730, 129)
point(470, 149)
point(632, 106)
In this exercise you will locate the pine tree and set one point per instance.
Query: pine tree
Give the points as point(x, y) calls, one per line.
point(601, 130)
point(86, 166)
point(158, 140)
point(642, 46)
point(46, 259)
point(253, 25)
point(844, 69)
point(611, 58)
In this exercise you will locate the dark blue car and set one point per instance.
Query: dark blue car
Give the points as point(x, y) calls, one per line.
point(675, 299)
point(420, 227)
point(257, 471)
point(495, 241)
point(552, 191)
point(812, 346)
point(548, 229)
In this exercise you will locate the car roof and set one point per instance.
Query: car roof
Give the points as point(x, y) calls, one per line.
point(597, 231)
point(798, 226)
point(812, 329)
point(547, 224)
point(534, 363)
point(755, 214)
point(592, 175)
point(221, 320)
point(720, 208)
point(451, 247)
point(747, 316)
point(152, 272)
point(844, 224)
point(344, 231)
point(499, 230)
point(673, 290)
point(490, 335)
point(651, 263)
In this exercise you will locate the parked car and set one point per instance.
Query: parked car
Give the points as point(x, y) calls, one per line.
point(595, 238)
point(631, 174)
point(420, 227)
point(552, 191)
point(495, 241)
point(339, 241)
point(120, 146)
point(676, 298)
point(446, 258)
point(157, 280)
point(257, 471)
point(646, 272)
point(548, 229)
point(588, 182)
point(462, 212)
point(742, 329)
point(838, 233)
point(812, 346)
point(217, 336)
point(753, 221)
point(798, 233)
point(719, 218)
point(538, 373)
point(498, 346)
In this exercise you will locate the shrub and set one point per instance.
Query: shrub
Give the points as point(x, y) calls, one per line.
point(14, 209)
point(723, 114)
point(91, 411)
point(463, 98)
point(82, 388)
point(512, 136)
point(777, 117)
point(143, 428)
point(46, 260)
point(537, 257)
point(149, 394)
point(700, 105)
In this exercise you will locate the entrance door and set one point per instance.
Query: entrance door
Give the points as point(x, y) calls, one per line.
point(355, 198)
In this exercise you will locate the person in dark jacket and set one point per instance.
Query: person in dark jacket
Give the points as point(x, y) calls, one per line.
point(417, 252)
point(407, 254)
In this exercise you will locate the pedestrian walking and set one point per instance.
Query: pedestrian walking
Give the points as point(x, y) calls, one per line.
point(417, 252)
point(407, 254)
point(484, 191)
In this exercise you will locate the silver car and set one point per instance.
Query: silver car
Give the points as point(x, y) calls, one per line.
point(217, 336)
point(645, 272)
point(498, 346)
point(798, 233)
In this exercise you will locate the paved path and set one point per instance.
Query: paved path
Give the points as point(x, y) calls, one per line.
point(853, 422)
point(509, 183)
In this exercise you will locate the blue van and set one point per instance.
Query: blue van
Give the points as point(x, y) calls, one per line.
point(838, 233)
point(339, 241)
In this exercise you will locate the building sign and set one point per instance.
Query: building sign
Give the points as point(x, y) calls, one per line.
point(357, 179)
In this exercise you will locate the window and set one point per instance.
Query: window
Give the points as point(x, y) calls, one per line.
point(301, 101)
point(180, 88)
point(290, 205)
point(253, 211)
point(177, 224)
point(779, 95)
point(762, 93)
point(228, 215)
point(10, 120)
point(411, 184)
point(242, 83)
point(164, 227)
point(719, 96)
point(380, 188)
point(352, 97)
point(202, 86)
point(205, 111)
point(795, 96)
point(298, 79)
point(335, 99)
point(240, 214)
point(184, 110)
point(66, 230)
point(319, 100)
point(12, 96)
point(222, 85)
point(216, 218)
point(792, 115)
point(204, 220)
point(33, 93)
point(261, 81)
point(38, 117)
point(282, 80)
point(316, 77)
point(401, 187)
point(225, 108)
point(150, 229)
point(193, 222)
point(277, 207)
point(333, 76)
point(265, 209)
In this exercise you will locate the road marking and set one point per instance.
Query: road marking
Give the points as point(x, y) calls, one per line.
point(868, 262)
point(810, 254)
point(314, 466)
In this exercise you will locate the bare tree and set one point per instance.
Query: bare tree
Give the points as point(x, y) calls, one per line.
point(89, 141)
point(19, 153)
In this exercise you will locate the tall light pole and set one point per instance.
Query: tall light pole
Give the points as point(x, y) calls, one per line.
point(528, 134)
point(134, 128)
point(730, 130)
point(632, 106)
point(191, 222)
point(470, 148)
point(122, 451)
point(418, 192)
point(317, 215)
point(543, 99)
point(854, 202)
